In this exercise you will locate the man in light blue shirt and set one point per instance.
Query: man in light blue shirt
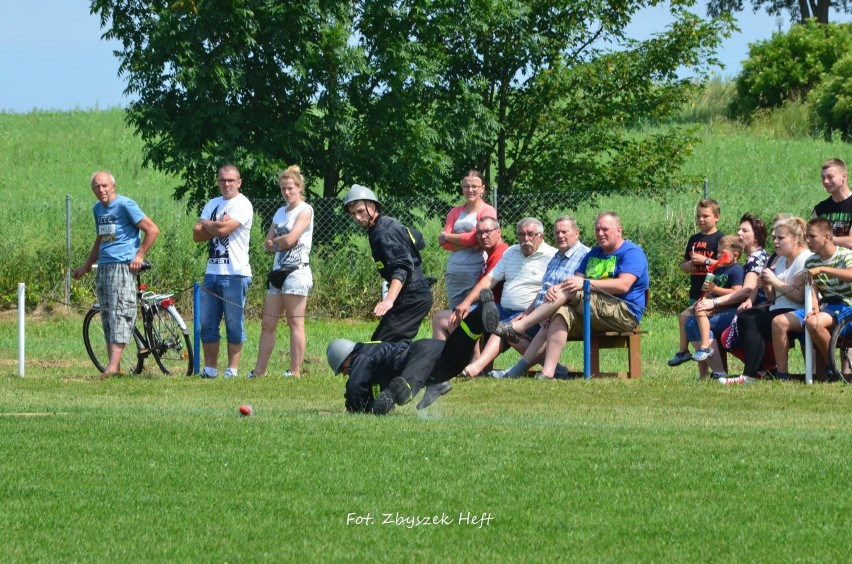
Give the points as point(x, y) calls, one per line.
point(119, 254)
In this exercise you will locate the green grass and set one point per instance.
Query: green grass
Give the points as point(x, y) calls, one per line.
point(663, 468)
point(162, 468)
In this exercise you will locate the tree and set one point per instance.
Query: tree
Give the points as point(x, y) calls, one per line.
point(405, 95)
point(801, 10)
point(788, 66)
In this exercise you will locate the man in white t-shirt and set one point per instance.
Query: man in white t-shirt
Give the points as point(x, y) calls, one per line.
point(225, 225)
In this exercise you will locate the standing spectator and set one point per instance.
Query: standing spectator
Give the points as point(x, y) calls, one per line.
point(837, 208)
point(702, 247)
point(785, 289)
point(119, 255)
point(225, 225)
point(289, 237)
point(394, 249)
point(459, 237)
point(490, 238)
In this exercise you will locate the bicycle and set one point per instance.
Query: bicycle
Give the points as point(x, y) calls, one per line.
point(840, 349)
point(163, 334)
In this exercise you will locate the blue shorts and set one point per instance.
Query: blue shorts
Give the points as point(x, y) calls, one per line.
point(223, 295)
point(837, 311)
point(718, 323)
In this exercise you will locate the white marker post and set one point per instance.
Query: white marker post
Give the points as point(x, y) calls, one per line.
point(809, 349)
point(21, 319)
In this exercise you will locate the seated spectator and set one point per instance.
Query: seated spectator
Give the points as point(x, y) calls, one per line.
point(618, 270)
point(490, 239)
point(522, 269)
point(705, 318)
point(752, 233)
point(785, 290)
point(830, 269)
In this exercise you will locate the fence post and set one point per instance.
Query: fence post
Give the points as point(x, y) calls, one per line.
point(809, 349)
point(196, 327)
point(587, 330)
point(706, 188)
point(67, 250)
point(22, 302)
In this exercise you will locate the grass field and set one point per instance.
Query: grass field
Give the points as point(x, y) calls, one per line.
point(162, 468)
point(664, 468)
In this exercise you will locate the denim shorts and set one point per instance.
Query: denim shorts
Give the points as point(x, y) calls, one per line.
point(510, 314)
point(223, 295)
point(298, 283)
point(837, 311)
point(718, 323)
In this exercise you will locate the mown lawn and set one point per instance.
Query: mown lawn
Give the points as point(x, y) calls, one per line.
point(664, 468)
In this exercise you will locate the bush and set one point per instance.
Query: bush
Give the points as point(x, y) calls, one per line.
point(831, 101)
point(788, 66)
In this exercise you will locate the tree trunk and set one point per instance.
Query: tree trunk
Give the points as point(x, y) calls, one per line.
point(804, 10)
point(820, 10)
point(503, 101)
point(331, 172)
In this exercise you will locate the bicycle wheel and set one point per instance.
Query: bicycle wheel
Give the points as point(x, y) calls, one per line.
point(840, 348)
point(169, 344)
point(95, 341)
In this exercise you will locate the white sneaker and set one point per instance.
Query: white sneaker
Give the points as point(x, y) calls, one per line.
point(738, 380)
point(230, 373)
point(209, 372)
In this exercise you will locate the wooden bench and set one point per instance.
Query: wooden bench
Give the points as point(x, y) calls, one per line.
point(630, 340)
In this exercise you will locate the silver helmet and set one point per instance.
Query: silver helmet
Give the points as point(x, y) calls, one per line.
point(358, 192)
point(337, 352)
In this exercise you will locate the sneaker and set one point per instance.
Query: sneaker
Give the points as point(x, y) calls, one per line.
point(738, 380)
point(680, 358)
point(702, 354)
point(505, 331)
point(498, 374)
point(251, 374)
point(209, 372)
point(289, 374)
point(543, 376)
point(718, 375)
point(230, 373)
point(432, 393)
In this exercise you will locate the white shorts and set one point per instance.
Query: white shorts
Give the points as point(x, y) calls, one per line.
point(298, 283)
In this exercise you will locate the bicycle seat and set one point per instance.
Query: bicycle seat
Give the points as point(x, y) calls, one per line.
point(145, 266)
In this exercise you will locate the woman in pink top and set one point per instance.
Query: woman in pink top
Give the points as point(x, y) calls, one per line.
point(459, 237)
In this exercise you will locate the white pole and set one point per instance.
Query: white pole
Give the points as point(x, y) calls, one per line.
point(21, 304)
point(809, 349)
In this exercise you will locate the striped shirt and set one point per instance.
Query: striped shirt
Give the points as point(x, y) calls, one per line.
point(832, 290)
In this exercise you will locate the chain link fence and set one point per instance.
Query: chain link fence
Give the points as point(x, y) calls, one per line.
point(346, 284)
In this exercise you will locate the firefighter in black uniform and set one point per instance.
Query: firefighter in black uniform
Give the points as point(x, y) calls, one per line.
point(409, 295)
point(382, 375)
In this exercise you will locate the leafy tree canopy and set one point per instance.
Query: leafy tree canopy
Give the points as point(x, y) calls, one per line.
point(801, 10)
point(405, 95)
point(788, 65)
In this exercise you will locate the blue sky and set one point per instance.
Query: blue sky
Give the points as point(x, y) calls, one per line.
point(52, 56)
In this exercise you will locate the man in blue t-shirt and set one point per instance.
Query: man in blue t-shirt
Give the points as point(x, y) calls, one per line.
point(119, 254)
point(618, 270)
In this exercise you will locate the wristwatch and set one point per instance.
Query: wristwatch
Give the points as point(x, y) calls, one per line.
point(707, 262)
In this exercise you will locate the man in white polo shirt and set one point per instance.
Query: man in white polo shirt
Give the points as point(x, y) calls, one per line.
point(522, 271)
